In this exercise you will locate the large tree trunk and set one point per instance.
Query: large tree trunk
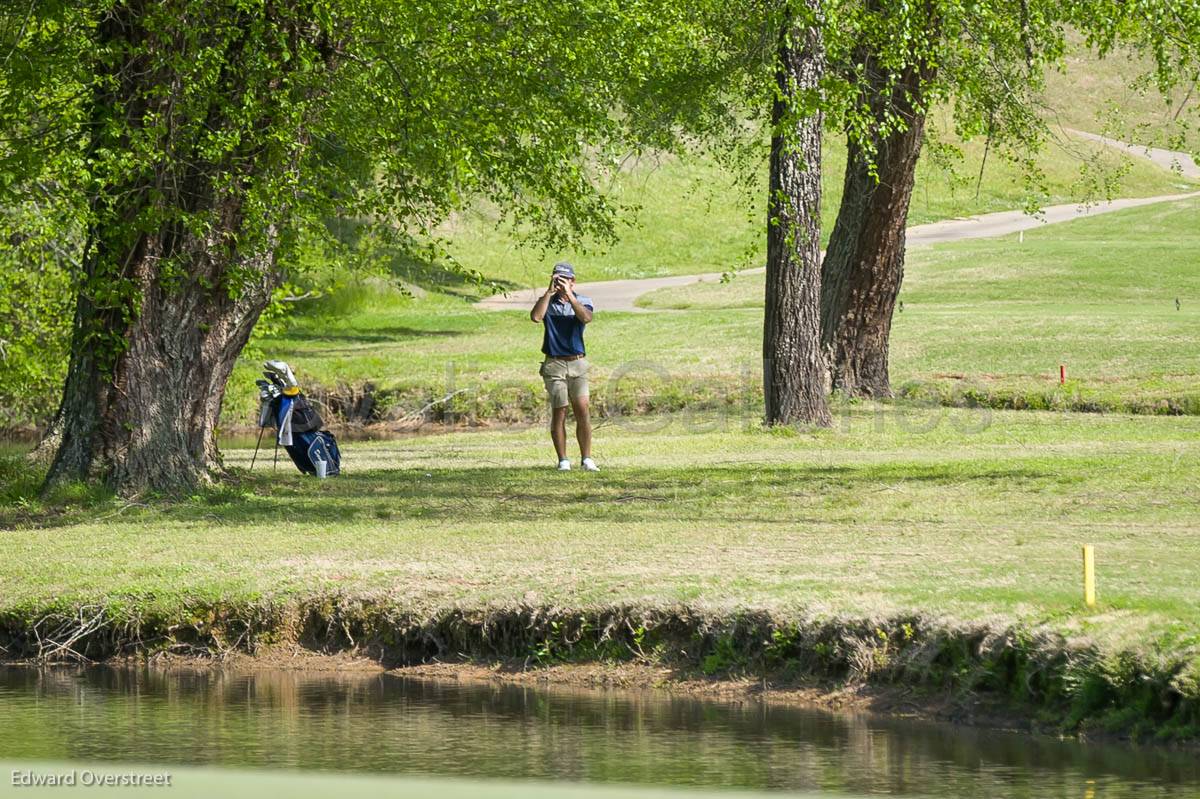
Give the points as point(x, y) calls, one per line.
point(864, 263)
point(148, 418)
point(164, 306)
point(794, 372)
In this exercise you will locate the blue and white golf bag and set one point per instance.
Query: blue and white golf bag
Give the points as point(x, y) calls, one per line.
point(297, 423)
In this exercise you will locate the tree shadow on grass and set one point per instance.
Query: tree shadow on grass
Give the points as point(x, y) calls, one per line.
point(380, 334)
point(431, 275)
point(306, 339)
point(418, 267)
point(491, 495)
point(488, 495)
point(316, 343)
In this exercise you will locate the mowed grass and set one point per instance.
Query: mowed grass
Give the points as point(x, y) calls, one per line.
point(962, 514)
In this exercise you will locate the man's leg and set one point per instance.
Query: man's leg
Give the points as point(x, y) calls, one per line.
point(558, 431)
point(554, 374)
point(583, 425)
point(577, 393)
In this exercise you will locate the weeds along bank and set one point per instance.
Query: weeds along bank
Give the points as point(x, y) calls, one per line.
point(733, 399)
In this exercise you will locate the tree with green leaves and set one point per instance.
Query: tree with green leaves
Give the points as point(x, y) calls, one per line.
point(196, 144)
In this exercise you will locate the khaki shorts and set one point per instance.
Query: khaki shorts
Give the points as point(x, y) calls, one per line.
point(566, 381)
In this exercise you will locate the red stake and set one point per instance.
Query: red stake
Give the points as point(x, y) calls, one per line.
point(1062, 375)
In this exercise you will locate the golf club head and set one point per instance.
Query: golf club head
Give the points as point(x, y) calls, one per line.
point(280, 374)
point(266, 390)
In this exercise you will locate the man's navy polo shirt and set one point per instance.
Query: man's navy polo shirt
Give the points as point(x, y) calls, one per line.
point(564, 331)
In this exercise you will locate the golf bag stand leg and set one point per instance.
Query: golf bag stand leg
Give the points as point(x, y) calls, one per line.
point(257, 444)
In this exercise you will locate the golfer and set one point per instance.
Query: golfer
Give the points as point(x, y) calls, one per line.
point(564, 370)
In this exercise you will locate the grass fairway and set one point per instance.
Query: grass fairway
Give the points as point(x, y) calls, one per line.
point(969, 515)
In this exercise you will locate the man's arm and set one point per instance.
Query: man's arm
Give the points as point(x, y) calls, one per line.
point(538, 312)
point(582, 312)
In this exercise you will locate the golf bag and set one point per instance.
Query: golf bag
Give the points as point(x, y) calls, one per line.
point(296, 422)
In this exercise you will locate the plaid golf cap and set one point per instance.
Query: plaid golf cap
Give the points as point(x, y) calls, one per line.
point(565, 269)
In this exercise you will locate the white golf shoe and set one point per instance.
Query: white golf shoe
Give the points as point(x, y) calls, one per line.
point(589, 465)
point(564, 465)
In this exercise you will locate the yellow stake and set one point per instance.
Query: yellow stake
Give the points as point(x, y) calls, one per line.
point(1089, 575)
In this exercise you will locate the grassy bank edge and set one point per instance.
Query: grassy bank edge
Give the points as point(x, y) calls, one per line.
point(1066, 685)
point(420, 408)
point(415, 405)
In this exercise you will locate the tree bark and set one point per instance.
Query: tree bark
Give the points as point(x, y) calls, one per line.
point(148, 419)
point(163, 308)
point(794, 371)
point(864, 263)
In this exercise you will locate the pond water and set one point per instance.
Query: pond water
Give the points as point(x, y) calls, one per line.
point(386, 724)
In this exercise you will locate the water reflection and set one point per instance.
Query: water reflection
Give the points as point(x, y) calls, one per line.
point(383, 723)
